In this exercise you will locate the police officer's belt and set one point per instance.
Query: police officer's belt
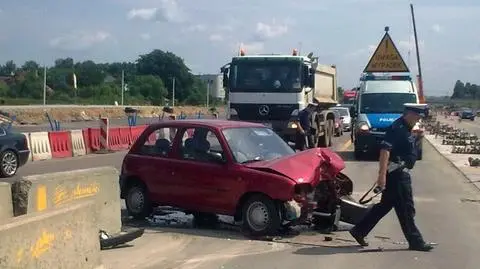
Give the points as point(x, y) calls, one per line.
point(394, 166)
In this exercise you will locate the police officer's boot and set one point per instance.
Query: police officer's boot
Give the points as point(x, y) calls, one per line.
point(421, 247)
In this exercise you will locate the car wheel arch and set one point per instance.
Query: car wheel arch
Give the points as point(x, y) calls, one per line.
point(244, 198)
point(133, 181)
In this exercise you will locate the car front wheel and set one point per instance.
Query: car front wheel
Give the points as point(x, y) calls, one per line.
point(137, 202)
point(9, 163)
point(261, 216)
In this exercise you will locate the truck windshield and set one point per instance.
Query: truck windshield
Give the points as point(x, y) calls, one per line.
point(266, 76)
point(385, 102)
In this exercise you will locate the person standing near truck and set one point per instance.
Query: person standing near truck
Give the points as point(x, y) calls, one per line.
point(304, 138)
point(398, 155)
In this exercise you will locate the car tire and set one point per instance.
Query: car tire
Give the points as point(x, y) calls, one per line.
point(261, 216)
point(8, 163)
point(137, 202)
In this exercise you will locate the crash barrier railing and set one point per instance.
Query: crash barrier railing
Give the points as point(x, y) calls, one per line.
point(72, 143)
point(462, 142)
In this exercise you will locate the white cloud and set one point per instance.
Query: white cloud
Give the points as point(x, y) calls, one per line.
point(253, 47)
point(361, 52)
point(79, 40)
point(196, 28)
point(168, 11)
point(216, 37)
point(227, 28)
point(436, 28)
point(409, 45)
point(267, 31)
point(145, 36)
point(474, 58)
point(142, 13)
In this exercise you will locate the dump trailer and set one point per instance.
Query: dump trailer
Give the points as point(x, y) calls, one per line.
point(272, 89)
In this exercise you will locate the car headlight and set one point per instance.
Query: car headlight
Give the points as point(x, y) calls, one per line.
point(292, 125)
point(363, 126)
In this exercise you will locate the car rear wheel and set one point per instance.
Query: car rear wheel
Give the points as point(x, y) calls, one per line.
point(137, 202)
point(9, 163)
point(261, 216)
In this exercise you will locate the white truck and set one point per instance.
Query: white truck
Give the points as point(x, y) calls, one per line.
point(272, 89)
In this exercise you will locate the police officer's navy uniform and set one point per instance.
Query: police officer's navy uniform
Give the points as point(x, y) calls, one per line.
point(398, 190)
point(304, 141)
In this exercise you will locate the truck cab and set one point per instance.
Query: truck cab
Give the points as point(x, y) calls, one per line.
point(380, 101)
point(273, 89)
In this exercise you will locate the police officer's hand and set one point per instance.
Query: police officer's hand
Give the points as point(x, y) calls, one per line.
point(381, 181)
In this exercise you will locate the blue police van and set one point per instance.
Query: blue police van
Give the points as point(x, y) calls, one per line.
point(378, 104)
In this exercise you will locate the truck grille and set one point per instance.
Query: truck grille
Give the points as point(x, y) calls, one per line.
point(251, 112)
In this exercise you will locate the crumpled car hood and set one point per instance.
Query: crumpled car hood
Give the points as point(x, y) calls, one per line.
point(305, 166)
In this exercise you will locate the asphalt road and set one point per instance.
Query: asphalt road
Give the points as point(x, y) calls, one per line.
point(441, 215)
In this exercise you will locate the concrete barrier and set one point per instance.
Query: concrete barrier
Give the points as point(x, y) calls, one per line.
point(62, 238)
point(38, 193)
point(6, 207)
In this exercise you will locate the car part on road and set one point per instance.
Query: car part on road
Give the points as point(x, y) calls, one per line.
point(111, 241)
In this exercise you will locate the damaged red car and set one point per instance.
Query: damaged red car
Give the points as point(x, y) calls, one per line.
point(234, 168)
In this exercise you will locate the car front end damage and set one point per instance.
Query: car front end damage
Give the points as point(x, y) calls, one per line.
point(326, 203)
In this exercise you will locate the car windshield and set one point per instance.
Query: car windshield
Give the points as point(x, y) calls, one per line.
point(385, 102)
point(266, 76)
point(256, 144)
point(342, 112)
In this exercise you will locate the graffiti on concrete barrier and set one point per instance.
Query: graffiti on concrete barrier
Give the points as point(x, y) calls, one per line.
point(64, 195)
point(42, 245)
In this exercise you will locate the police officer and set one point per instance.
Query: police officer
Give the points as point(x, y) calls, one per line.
point(304, 138)
point(398, 155)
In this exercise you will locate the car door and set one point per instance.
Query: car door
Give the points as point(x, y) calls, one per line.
point(206, 183)
point(152, 163)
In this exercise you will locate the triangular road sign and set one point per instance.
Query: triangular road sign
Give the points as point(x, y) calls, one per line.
point(386, 58)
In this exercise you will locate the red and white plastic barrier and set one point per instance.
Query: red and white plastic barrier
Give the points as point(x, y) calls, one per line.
point(104, 133)
point(71, 143)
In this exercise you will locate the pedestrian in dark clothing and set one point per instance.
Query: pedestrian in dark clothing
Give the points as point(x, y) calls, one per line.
point(398, 155)
point(304, 138)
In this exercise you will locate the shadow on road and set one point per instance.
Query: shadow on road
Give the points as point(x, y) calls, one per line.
point(341, 250)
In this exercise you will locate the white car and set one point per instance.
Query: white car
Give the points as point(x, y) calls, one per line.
point(345, 116)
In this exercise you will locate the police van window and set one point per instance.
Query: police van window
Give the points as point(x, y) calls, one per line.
point(389, 86)
point(385, 102)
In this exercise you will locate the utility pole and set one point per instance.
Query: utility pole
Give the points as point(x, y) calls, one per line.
point(208, 92)
point(45, 85)
point(173, 92)
point(123, 85)
point(420, 78)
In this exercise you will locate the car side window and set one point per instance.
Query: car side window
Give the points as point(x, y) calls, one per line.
point(159, 142)
point(202, 145)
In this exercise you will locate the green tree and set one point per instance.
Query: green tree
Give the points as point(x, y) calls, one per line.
point(150, 87)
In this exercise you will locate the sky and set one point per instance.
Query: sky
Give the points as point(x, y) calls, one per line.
point(207, 33)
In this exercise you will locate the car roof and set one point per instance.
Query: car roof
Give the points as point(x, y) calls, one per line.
point(214, 123)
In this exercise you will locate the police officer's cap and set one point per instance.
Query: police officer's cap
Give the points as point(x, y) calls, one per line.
point(420, 109)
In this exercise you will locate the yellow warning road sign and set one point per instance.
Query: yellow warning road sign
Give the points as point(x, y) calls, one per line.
point(386, 58)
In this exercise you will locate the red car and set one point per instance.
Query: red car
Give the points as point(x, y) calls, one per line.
point(234, 168)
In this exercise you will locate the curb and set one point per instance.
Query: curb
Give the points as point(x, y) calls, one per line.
point(452, 164)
